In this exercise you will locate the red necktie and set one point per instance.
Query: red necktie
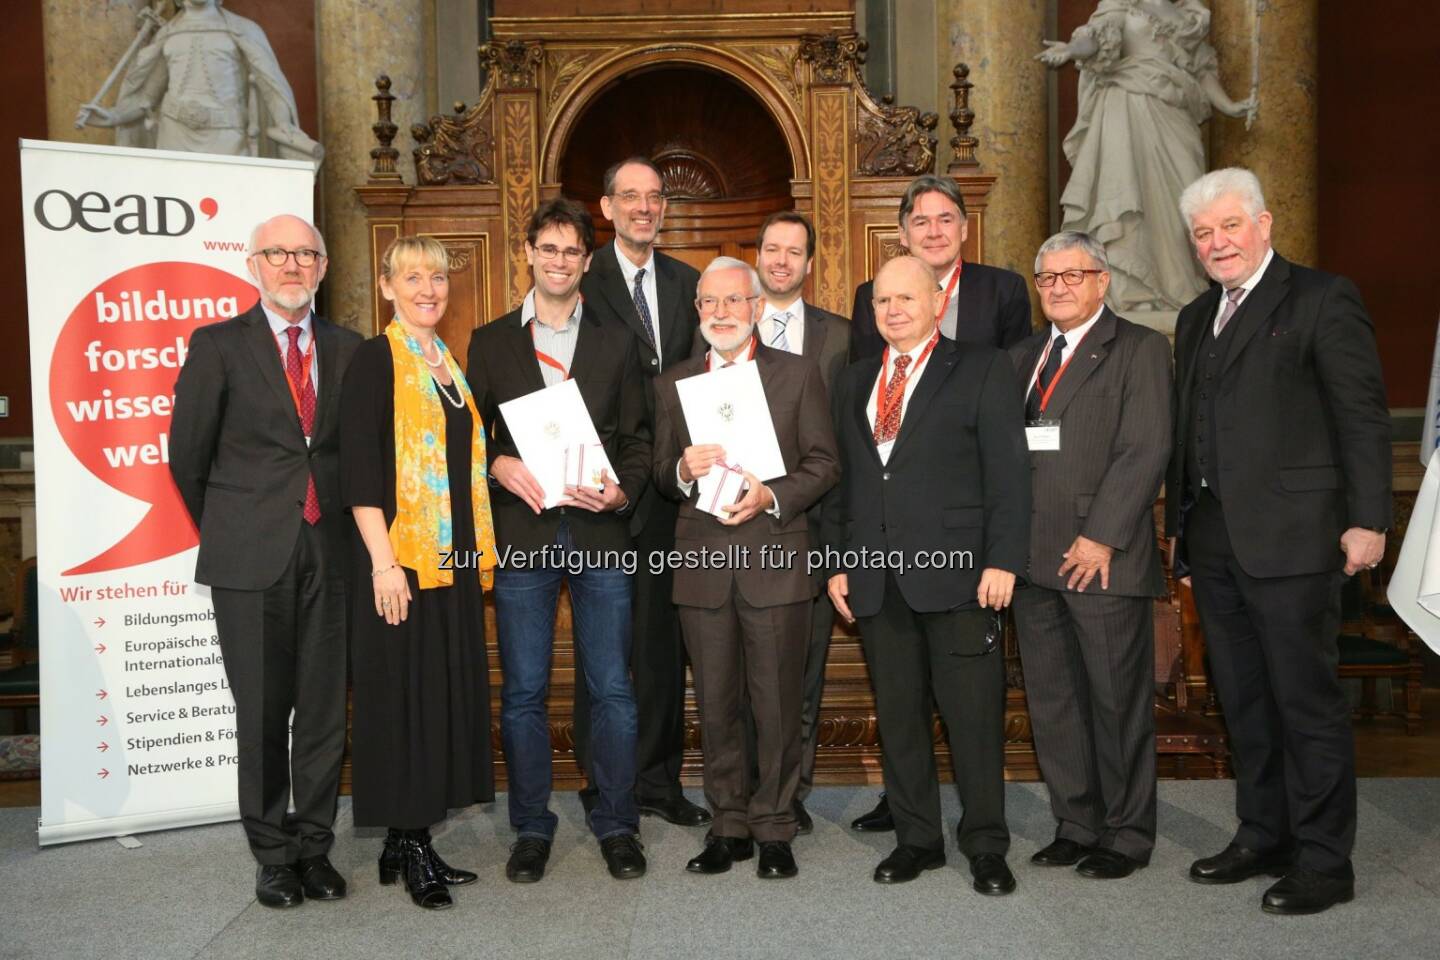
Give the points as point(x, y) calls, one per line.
point(887, 425)
point(299, 374)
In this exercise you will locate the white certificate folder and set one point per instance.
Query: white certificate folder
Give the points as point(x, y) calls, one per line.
point(547, 426)
point(728, 407)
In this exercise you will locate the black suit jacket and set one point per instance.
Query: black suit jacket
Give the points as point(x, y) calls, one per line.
point(994, 309)
point(799, 411)
point(1303, 436)
point(501, 366)
point(958, 479)
point(606, 292)
point(238, 455)
point(1113, 405)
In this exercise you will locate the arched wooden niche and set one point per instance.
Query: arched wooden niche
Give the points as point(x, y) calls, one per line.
point(725, 160)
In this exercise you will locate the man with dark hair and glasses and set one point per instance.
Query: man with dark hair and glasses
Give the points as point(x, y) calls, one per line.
point(653, 296)
point(254, 450)
point(555, 336)
point(1097, 408)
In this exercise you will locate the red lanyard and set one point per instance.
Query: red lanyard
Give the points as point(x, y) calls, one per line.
point(305, 361)
point(883, 401)
point(950, 289)
point(710, 357)
point(1045, 397)
point(541, 355)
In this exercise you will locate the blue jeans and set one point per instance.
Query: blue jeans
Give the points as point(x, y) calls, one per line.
point(525, 603)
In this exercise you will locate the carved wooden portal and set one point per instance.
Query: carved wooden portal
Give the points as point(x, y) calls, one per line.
point(746, 113)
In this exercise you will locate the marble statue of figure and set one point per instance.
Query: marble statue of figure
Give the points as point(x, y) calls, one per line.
point(207, 81)
point(1148, 79)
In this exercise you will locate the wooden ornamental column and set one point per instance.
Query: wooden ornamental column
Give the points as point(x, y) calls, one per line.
point(513, 68)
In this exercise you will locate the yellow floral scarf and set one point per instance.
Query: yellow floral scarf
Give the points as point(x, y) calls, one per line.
point(422, 534)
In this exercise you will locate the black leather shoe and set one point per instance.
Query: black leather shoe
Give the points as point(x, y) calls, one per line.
point(425, 888)
point(905, 863)
point(392, 863)
point(992, 877)
point(877, 820)
point(676, 810)
point(319, 879)
point(803, 824)
point(278, 885)
point(1307, 891)
point(1235, 863)
point(1103, 864)
point(720, 853)
point(527, 860)
point(623, 856)
point(776, 861)
point(1061, 853)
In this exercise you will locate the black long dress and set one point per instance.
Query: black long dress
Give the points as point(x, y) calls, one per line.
point(420, 732)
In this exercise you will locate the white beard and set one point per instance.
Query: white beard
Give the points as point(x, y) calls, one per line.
point(726, 344)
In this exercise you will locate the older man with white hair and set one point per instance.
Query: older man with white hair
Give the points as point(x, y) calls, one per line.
point(255, 453)
point(1278, 488)
point(746, 619)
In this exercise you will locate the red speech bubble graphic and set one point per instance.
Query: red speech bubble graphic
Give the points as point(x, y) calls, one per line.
point(112, 386)
point(209, 207)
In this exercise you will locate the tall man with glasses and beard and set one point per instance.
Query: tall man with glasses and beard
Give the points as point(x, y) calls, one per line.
point(254, 450)
point(654, 297)
point(745, 625)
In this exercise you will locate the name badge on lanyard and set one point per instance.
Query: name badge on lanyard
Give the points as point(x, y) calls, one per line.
point(1042, 434)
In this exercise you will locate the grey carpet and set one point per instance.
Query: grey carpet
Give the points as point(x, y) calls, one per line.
point(189, 893)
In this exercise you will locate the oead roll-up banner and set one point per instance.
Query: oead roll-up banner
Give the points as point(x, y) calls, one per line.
point(127, 252)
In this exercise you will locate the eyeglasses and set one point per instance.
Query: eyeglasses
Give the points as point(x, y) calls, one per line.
point(631, 197)
point(1072, 278)
point(276, 256)
point(548, 251)
point(733, 303)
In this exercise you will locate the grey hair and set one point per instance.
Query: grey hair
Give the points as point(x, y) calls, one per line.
point(255, 233)
point(1073, 240)
point(730, 263)
point(930, 183)
point(1230, 182)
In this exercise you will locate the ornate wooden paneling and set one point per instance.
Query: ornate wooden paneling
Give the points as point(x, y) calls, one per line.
point(519, 194)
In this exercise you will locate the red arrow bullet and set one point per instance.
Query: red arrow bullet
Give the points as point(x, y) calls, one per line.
point(99, 621)
point(103, 773)
point(102, 720)
point(103, 746)
point(101, 695)
point(100, 648)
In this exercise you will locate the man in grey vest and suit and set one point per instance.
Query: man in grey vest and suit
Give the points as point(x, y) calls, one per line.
point(785, 253)
point(1097, 407)
point(255, 453)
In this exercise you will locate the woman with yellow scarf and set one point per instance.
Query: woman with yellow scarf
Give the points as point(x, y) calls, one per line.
point(413, 473)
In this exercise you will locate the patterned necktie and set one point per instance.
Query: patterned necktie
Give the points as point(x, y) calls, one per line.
point(780, 341)
point(1232, 303)
point(1053, 362)
point(643, 308)
point(305, 397)
point(887, 424)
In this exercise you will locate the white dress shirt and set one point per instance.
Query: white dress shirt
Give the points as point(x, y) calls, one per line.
point(1072, 340)
point(794, 327)
point(1248, 286)
point(887, 370)
point(279, 325)
point(647, 285)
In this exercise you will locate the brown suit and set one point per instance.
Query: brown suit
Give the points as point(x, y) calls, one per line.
point(744, 626)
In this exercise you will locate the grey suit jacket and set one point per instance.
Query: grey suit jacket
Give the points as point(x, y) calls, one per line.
point(238, 455)
point(827, 342)
point(1113, 404)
